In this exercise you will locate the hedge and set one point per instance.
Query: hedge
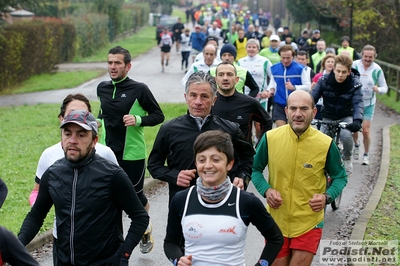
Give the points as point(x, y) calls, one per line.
point(33, 47)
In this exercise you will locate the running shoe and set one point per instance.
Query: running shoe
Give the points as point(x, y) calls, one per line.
point(147, 242)
point(365, 159)
point(356, 152)
point(348, 165)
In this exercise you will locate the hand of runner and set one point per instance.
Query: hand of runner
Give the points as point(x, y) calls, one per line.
point(129, 120)
point(273, 198)
point(185, 177)
point(317, 203)
point(238, 182)
point(185, 261)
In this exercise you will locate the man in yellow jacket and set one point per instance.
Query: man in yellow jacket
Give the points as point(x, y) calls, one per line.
point(297, 156)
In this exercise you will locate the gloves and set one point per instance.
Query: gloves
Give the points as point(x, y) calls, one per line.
point(118, 260)
point(355, 126)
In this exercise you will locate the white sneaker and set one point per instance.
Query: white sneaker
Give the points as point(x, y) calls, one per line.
point(365, 159)
point(147, 243)
point(348, 165)
point(356, 152)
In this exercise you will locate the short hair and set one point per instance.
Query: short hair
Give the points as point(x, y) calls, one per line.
point(123, 51)
point(209, 44)
point(70, 98)
point(330, 50)
point(214, 138)
point(302, 52)
point(285, 48)
point(199, 78)
point(345, 38)
point(225, 63)
point(344, 60)
point(253, 41)
point(323, 61)
point(368, 47)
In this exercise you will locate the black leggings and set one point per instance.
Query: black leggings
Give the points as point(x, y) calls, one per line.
point(135, 171)
point(185, 58)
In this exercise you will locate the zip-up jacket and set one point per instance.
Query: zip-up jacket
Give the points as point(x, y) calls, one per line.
point(89, 197)
point(370, 77)
point(174, 144)
point(296, 169)
point(243, 110)
point(118, 99)
point(297, 75)
point(340, 99)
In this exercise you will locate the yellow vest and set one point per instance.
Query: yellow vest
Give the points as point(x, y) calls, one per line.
point(296, 167)
point(316, 58)
point(241, 49)
point(349, 49)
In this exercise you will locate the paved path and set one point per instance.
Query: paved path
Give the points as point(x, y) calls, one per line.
point(167, 88)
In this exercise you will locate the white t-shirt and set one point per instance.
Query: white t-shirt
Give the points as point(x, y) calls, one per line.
point(52, 154)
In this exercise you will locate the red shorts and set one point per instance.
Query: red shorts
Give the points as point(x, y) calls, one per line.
point(307, 242)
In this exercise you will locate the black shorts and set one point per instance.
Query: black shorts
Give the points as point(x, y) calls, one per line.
point(177, 37)
point(166, 48)
point(278, 112)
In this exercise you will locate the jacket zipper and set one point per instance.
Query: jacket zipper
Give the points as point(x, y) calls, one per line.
point(72, 214)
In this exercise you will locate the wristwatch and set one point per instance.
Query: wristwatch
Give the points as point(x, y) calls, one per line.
point(328, 198)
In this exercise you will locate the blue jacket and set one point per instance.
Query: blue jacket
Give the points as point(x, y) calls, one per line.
point(197, 40)
point(297, 75)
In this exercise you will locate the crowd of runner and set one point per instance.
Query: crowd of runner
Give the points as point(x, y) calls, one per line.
point(242, 72)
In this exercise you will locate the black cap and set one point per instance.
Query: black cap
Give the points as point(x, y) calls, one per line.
point(211, 38)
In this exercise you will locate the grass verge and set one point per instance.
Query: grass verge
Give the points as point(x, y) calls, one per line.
point(385, 221)
point(137, 44)
point(25, 132)
point(55, 81)
point(389, 101)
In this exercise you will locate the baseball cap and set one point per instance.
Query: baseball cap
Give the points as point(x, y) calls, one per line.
point(286, 28)
point(82, 118)
point(280, 30)
point(197, 27)
point(274, 37)
point(211, 38)
point(316, 31)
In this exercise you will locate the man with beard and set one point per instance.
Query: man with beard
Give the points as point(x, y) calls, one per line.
point(89, 194)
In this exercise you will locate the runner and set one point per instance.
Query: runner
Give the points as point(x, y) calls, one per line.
point(165, 42)
point(260, 69)
point(177, 30)
point(373, 81)
point(215, 231)
point(185, 49)
point(126, 107)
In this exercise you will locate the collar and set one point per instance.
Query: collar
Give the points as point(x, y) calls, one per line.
point(84, 162)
